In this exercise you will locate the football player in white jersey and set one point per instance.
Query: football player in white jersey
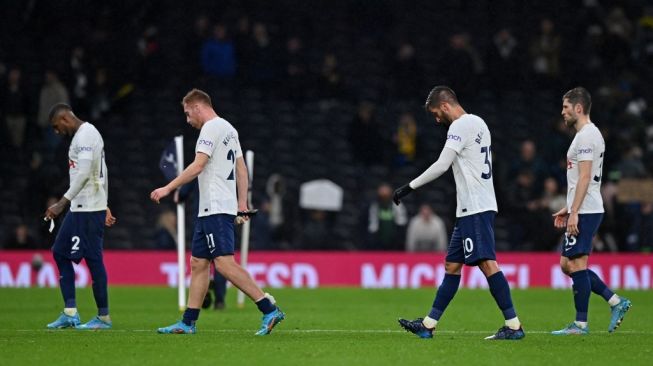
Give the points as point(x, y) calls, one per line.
point(223, 185)
point(583, 213)
point(469, 150)
point(82, 231)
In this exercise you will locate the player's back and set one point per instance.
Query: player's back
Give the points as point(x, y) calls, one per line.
point(87, 144)
point(588, 145)
point(217, 182)
point(470, 137)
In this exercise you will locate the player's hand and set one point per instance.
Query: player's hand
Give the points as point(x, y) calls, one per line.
point(240, 219)
point(56, 209)
point(400, 193)
point(560, 218)
point(159, 193)
point(109, 220)
point(572, 224)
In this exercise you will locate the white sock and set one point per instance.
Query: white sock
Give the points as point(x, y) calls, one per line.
point(614, 300)
point(513, 323)
point(581, 325)
point(105, 318)
point(70, 311)
point(429, 322)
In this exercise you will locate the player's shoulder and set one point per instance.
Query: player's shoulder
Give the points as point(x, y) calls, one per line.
point(591, 132)
point(88, 131)
point(218, 124)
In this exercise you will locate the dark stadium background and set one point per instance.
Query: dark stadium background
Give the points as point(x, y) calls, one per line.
point(293, 86)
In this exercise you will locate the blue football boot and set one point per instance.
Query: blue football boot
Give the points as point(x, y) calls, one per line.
point(618, 313)
point(416, 327)
point(65, 321)
point(507, 333)
point(178, 328)
point(572, 329)
point(95, 324)
point(269, 321)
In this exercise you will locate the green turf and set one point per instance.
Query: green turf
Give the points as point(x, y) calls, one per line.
point(323, 327)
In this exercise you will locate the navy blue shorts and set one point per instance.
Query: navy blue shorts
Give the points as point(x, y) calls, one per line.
point(81, 236)
point(588, 225)
point(213, 236)
point(472, 239)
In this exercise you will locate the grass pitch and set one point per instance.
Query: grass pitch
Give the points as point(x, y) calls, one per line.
point(322, 327)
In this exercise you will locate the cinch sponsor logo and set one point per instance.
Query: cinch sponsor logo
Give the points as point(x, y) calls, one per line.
point(84, 148)
point(585, 151)
point(454, 137)
point(205, 142)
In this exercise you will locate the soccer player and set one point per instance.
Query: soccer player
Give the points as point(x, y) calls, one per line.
point(468, 149)
point(584, 212)
point(81, 234)
point(223, 184)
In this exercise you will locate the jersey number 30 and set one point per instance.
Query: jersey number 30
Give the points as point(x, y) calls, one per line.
point(487, 150)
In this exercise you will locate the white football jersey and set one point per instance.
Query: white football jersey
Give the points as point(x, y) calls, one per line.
point(217, 182)
point(588, 145)
point(87, 144)
point(470, 137)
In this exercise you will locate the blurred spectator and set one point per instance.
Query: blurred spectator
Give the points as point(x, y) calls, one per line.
point(505, 61)
point(631, 164)
point(553, 199)
point(218, 55)
point(523, 205)
point(317, 231)
point(386, 222)
point(407, 72)
point(545, 54)
point(280, 229)
point(100, 95)
point(194, 43)
point(165, 236)
point(16, 108)
point(21, 239)
point(529, 160)
point(462, 63)
point(265, 58)
point(52, 92)
point(331, 83)
point(296, 71)
point(426, 232)
point(79, 80)
point(405, 139)
point(151, 68)
point(244, 48)
point(364, 137)
point(618, 39)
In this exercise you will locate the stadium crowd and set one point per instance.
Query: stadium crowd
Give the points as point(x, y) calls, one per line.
point(329, 90)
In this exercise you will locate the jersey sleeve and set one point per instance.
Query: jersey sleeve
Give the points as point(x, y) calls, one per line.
point(585, 147)
point(456, 137)
point(239, 150)
point(86, 146)
point(207, 141)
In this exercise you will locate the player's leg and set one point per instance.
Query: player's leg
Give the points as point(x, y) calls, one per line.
point(199, 281)
point(424, 327)
point(220, 289)
point(222, 227)
point(92, 242)
point(618, 305)
point(500, 291)
point(64, 245)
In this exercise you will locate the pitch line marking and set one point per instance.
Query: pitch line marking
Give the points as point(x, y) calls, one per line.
point(350, 331)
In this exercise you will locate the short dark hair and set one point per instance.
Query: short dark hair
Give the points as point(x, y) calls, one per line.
point(197, 95)
point(439, 94)
point(579, 95)
point(58, 108)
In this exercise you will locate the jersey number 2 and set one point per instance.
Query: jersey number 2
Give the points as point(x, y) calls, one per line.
point(231, 156)
point(487, 150)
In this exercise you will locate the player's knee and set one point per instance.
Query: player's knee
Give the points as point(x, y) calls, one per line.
point(453, 268)
point(197, 264)
point(488, 267)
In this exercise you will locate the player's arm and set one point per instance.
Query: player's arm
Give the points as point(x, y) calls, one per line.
point(84, 164)
point(584, 176)
point(242, 184)
point(191, 172)
point(432, 173)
